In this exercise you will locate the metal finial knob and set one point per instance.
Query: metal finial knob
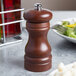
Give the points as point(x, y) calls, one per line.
point(38, 6)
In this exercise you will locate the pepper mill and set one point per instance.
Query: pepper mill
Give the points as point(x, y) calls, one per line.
point(38, 56)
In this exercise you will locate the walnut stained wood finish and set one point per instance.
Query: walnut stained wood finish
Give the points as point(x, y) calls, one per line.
point(38, 56)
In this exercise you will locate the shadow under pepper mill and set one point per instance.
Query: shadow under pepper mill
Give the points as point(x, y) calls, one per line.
point(38, 56)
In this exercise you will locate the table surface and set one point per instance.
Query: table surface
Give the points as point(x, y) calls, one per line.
point(12, 56)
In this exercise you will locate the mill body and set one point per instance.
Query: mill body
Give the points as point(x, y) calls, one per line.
point(38, 56)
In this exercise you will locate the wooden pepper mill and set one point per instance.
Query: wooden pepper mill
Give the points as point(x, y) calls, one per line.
point(38, 56)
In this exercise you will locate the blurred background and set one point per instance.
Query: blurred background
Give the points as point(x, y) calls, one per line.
point(51, 4)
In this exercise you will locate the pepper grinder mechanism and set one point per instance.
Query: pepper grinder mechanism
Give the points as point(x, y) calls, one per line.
point(38, 56)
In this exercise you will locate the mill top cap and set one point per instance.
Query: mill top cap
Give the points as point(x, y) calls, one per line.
point(38, 14)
